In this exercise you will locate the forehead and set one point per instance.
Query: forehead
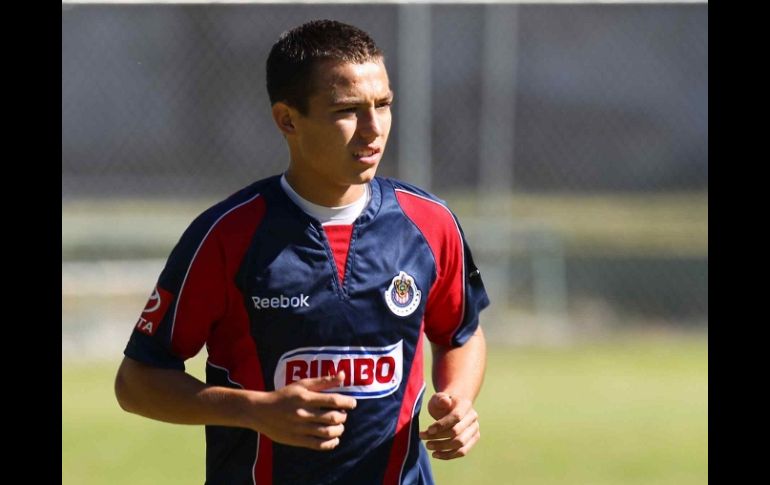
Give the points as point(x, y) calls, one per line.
point(335, 81)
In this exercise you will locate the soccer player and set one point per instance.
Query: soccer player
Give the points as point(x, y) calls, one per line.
point(313, 291)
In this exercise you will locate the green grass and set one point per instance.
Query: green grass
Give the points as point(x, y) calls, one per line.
point(630, 411)
point(102, 444)
point(612, 413)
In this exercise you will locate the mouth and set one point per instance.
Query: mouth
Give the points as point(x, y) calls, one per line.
point(368, 155)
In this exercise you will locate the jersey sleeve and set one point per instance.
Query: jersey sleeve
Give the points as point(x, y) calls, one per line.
point(457, 294)
point(190, 296)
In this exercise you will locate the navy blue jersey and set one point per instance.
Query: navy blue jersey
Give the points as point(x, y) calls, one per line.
point(276, 298)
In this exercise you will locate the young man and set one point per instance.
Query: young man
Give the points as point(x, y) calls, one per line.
point(313, 291)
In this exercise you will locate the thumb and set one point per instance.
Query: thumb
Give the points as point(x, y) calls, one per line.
point(440, 404)
point(323, 383)
point(443, 399)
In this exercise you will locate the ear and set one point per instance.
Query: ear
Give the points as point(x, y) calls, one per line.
point(283, 115)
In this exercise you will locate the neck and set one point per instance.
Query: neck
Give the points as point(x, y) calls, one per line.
point(325, 195)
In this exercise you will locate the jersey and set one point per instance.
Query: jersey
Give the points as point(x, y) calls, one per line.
point(276, 297)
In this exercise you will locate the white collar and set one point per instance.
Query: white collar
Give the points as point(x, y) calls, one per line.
point(346, 214)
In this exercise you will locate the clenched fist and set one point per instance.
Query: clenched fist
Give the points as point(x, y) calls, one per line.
point(456, 429)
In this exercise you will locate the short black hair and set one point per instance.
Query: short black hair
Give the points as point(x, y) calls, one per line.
point(297, 51)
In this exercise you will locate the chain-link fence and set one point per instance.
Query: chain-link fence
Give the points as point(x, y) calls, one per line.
point(570, 139)
point(170, 99)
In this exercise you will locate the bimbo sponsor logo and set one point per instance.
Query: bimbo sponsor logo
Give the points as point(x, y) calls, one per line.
point(281, 301)
point(370, 372)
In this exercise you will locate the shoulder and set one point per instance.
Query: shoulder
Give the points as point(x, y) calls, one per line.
point(424, 208)
point(240, 212)
point(410, 191)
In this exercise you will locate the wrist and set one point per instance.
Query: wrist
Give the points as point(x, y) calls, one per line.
point(250, 410)
point(456, 393)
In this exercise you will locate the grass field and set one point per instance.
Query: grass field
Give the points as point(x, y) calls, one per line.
point(626, 411)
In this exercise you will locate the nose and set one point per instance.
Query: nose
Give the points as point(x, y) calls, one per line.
point(369, 124)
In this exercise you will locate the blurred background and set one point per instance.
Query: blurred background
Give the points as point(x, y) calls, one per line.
point(570, 139)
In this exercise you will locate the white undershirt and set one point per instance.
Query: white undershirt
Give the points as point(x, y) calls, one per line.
point(345, 214)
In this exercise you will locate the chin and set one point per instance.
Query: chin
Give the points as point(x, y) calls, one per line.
point(364, 177)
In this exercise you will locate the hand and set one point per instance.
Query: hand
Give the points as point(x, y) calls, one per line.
point(300, 415)
point(456, 429)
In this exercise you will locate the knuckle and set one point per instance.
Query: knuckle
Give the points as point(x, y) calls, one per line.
point(455, 444)
point(333, 419)
point(314, 443)
point(292, 390)
point(297, 396)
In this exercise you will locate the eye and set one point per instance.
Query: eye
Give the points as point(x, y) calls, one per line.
point(384, 104)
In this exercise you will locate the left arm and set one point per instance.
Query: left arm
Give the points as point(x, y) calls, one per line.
point(457, 377)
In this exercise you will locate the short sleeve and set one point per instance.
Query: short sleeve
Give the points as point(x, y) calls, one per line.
point(458, 294)
point(190, 296)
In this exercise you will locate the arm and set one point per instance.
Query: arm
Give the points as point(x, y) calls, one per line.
point(457, 377)
point(297, 415)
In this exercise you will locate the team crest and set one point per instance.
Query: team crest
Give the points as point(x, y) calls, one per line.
point(403, 296)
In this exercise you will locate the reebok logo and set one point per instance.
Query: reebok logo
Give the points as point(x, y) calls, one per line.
point(281, 301)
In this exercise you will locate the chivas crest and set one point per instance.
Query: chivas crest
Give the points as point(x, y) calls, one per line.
point(403, 296)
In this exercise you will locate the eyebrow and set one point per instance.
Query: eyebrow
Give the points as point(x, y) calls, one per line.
point(340, 101)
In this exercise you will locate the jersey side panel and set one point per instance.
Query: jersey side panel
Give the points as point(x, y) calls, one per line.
point(234, 361)
point(446, 301)
point(191, 290)
point(402, 439)
point(458, 294)
point(207, 308)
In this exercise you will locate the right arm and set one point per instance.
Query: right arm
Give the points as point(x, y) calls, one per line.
point(194, 290)
point(297, 415)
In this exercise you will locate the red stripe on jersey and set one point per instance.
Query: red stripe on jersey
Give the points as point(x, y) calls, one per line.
point(401, 438)
point(263, 467)
point(210, 310)
point(208, 294)
point(339, 241)
point(232, 347)
point(446, 301)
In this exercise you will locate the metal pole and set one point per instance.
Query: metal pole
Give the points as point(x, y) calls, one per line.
point(549, 274)
point(498, 99)
point(496, 136)
point(413, 94)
